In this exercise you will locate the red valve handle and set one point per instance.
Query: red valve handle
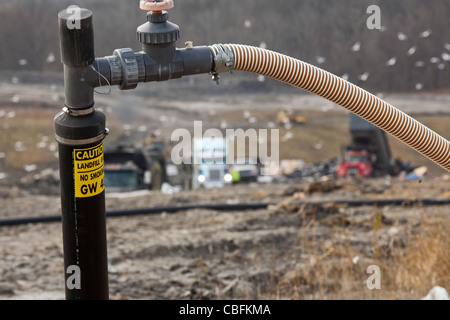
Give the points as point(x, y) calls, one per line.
point(156, 6)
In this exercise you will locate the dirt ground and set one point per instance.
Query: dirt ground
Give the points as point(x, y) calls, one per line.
point(207, 254)
point(294, 249)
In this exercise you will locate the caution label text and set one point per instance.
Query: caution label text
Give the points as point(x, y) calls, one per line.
point(89, 172)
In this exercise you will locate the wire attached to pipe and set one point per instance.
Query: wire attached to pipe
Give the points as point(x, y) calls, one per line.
point(345, 94)
point(100, 80)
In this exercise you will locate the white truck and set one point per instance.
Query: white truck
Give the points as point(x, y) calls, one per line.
point(209, 165)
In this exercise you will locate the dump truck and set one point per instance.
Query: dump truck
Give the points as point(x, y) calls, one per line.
point(128, 168)
point(355, 163)
point(369, 148)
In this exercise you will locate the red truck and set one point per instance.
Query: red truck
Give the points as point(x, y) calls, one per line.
point(355, 163)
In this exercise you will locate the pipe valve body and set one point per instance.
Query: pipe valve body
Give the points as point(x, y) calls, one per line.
point(159, 60)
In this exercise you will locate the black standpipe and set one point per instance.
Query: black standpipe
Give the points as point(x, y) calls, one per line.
point(80, 130)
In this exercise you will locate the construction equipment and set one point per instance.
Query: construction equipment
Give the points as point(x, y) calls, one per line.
point(210, 169)
point(129, 168)
point(355, 163)
point(288, 116)
point(368, 153)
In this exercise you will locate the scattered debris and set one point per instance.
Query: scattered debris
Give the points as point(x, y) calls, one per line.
point(437, 293)
point(30, 168)
point(166, 188)
point(322, 186)
point(417, 173)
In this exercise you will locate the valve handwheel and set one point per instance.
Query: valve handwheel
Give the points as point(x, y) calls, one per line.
point(156, 6)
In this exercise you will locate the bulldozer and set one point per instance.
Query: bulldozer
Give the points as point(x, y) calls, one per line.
point(288, 116)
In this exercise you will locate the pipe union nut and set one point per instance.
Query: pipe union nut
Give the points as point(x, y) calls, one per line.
point(130, 68)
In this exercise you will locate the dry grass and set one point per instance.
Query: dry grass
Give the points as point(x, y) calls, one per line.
point(313, 143)
point(332, 264)
point(426, 260)
point(22, 136)
point(318, 140)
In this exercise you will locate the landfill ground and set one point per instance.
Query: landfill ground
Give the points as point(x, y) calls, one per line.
point(302, 246)
point(291, 250)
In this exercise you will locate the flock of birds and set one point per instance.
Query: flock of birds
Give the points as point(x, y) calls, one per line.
point(439, 60)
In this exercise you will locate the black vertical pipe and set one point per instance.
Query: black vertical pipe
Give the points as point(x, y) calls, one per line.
point(84, 235)
point(80, 131)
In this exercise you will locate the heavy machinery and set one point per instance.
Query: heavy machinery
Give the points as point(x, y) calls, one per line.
point(209, 168)
point(128, 168)
point(368, 154)
point(288, 116)
point(355, 163)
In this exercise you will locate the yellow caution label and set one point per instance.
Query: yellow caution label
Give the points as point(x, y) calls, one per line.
point(89, 172)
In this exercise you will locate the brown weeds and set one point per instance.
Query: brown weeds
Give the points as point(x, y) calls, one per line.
point(333, 264)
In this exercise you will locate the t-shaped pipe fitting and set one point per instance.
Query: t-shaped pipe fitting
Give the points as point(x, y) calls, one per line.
point(77, 54)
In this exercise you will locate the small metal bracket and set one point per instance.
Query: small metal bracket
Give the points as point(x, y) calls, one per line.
point(215, 76)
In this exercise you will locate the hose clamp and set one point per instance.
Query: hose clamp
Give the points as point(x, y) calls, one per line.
point(223, 57)
point(78, 112)
point(82, 142)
